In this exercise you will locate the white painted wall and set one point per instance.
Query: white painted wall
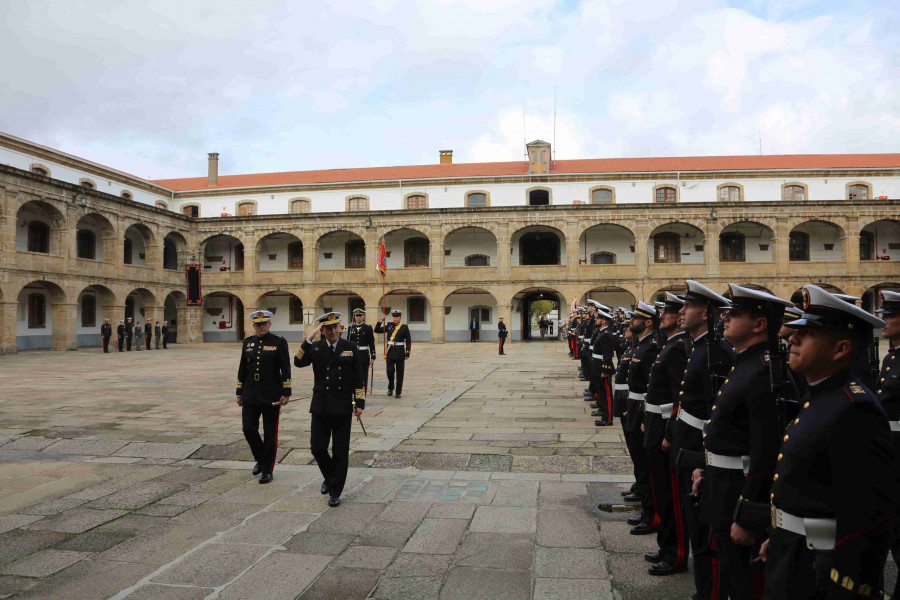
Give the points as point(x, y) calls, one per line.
point(607, 238)
point(690, 239)
point(819, 235)
point(456, 324)
point(137, 247)
point(755, 235)
point(466, 242)
point(281, 319)
point(222, 247)
point(26, 215)
point(228, 308)
point(887, 233)
point(279, 247)
point(334, 243)
point(420, 331)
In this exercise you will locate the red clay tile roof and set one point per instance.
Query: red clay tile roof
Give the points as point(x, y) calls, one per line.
point(599, 166)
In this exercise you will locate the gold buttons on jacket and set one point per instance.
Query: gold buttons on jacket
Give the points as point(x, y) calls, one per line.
point(785, 438)
point(796, 421)
point(780, 456)
point(681, 393)
point(771, 496)
point(806, 405)
point(714, 407)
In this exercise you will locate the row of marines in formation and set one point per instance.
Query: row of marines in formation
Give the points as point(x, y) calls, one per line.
point(141, 335)
point(765, 438)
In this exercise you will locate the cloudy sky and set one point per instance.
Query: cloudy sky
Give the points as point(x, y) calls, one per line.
point(150, 86)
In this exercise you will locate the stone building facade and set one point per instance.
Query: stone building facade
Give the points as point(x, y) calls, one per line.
point(80, 242)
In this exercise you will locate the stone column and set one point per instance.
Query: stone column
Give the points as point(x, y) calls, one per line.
point(373, 247)
point(711, 248)
point(504, 252)
point(850, 246)
point(436, 248)
point(781, 248)
point(437, 324)
point(571, 231)
point(641, 245)
point(310, 262)
point(250, 263)
point(8, 312)
point(190, 325)
point(65, 326)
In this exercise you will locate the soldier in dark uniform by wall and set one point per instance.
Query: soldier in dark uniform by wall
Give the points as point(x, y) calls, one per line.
point(105, 334)
point(662, 388)
point(399, 343)
point(148, 332)
point(887, 390)
point(263, 387)
point(835, 485)
point(602, 370)
point(710, 358)
point(165, 334)
point(742, 435)
point(360, 333)
point(129, 334)
point(644, 323)
point(120, 332)
point(157, 334)
point(501, 334)
point(338, 396)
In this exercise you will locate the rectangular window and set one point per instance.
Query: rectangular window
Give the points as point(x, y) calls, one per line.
point(89, 311)
point(601, 197)
point(191, 211)
point(477, 199)
point(355, 254)
point(239, 257)
point(416, 309)
point(485, 315)
point(356, 204)
point(665, 194)
point(37, 311)
point(295, 256)
point(128, 251)
point(296, 316)
point(245, 209)
point(416, 202)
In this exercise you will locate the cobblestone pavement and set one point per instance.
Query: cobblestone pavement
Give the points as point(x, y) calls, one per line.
point(127, 476)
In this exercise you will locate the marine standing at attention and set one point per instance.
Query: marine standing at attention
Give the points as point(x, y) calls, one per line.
point(399, 343)
point(105, 334)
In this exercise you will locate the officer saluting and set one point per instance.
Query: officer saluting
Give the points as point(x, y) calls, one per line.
point(834, 483)
point(338, 396)
point(399, 343)
point(264, 379)
point(105, 334)
point(361, 334)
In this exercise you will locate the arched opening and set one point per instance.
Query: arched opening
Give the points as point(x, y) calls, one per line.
point(95, 238)
point(222, 253)
point(606, 244)
point(406, 248)
point(280, 251)
point(676, 243)
point(287, 314)
point(817, 241)
point(536, 308)
point(538, 245)
point(470, 247)
point(344, 302)
point(539, 197)
point(41, 318)
point(468, 306)
point(610, 296)
point(880, 240)
point(174, 249)
point(341, 250)
point(139, 306)
point(95, 303)
point(416, 311)
point(137, 248)
point(745, 241)
point(173, 308)
point(39, 228)
point(223, 318)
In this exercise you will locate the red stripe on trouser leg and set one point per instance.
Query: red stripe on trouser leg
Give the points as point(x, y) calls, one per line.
point(609, 414)
point(655, 522)
point(681, 554)
point(716, 573)
point(275, 454)
point(759, 578)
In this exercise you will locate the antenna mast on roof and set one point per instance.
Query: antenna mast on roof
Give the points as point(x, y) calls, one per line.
point(759, 133)
point(524, 135)
point(553, 150)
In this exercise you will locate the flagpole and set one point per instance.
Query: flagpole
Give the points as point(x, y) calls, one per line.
point(383, 337)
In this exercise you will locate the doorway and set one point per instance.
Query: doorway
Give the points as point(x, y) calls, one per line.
point(540, 310)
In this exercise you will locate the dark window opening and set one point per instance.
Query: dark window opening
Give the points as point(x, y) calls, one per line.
point(539, 248)
point(170, 255)
point(239, 257)
point(295, 256)
point(415, 252)
point(478, 260)
point(296, 311)
point(539, 197)
point(38, 237)
point(798, 246)
point(128, 250)
point(667, 248)
point(731, 247)
point(603, 258)
point(89, 311)
point(356, 302)
point(37, 311)
point(85, 244)
point(416, 308)
point(191, 211)
point(355, 254)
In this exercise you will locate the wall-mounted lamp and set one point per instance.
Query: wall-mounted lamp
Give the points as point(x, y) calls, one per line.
point(368, 222)
point(713, 214)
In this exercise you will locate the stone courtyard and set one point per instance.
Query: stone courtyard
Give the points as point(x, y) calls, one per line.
point(127, 476)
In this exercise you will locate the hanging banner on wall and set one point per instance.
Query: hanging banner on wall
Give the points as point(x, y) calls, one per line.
point(194, 298)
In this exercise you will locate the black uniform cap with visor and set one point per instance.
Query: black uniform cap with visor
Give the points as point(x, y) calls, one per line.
point(890, 304)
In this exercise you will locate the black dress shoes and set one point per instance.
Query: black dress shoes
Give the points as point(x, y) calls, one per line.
point(594, 405)
point(601, 423)
point(390, 392)
point(324, 489)
point(632, 497)
point(399, 395)
point(256, 469)
point(265, 478)
point(334, 500)
point(582, 378)
point(662, 568)
point(642, 529)
point(653, 557)
point(637, 521)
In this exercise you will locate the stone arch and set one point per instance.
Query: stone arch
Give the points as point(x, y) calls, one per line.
point(279, 251)
point(522, 323)
point(416, 308)
point(45, 320)
point(677, 242)
point(287, 313)
point(757, 242)
point(40, 227)
point(95, 238)
point(617, 240)
point(343, 301)
point(175, 251)
point(140, 304)
point(407, 247)
point(538, 245)
point(223, 317)
point(611, 296)
point(174, 314)
point(139, 240)
point(880, 240)
point(462, 242)
point(341, 249)
point(222, 252)
point(95, 303)
point(823, 239)
point(464, 304)
point(660, 294)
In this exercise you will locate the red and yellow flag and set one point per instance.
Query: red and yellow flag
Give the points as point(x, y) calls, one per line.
point(381, 267)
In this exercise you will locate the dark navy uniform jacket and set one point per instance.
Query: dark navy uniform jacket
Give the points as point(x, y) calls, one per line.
point(120, 331)
point(620, 400)
point(887, 391)
point(743, 422)
point(106, 330)
point(663, 386)
point(339, 377)
point(264, 375)
point(603, 345)
point(400, 351)
point(835, 462)
point(638, 376)
point(362, 336)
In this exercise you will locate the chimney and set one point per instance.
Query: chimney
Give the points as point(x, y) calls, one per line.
point(446, 157)
point(213, 177)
